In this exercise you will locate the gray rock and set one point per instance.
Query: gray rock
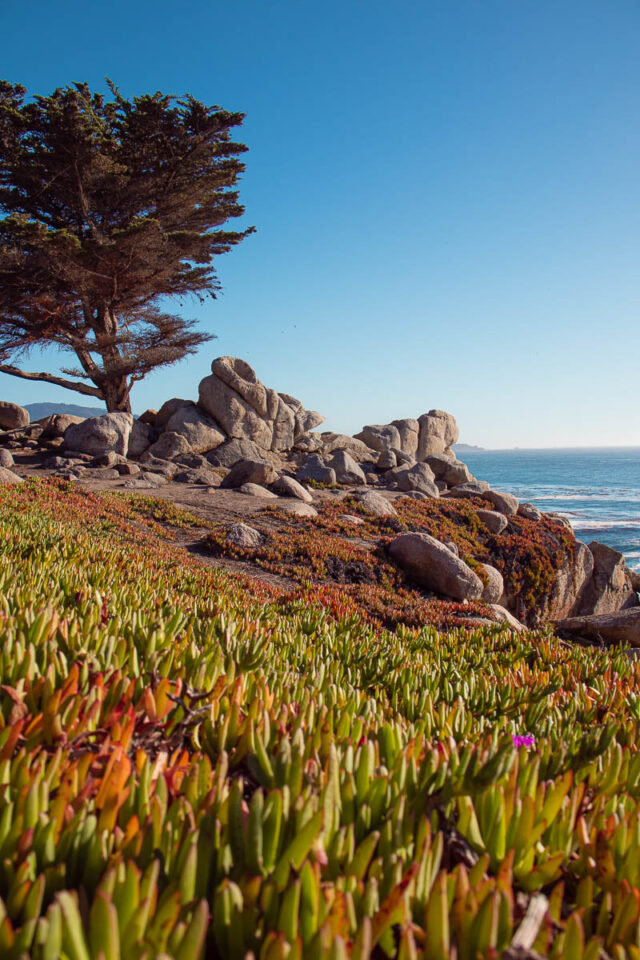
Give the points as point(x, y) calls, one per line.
point(100, 473)
point(236, 416)
point(9, 477)
point(568, 584)
point(349, 517)
point(77, 456)
point(529, 512)
point(346, 469)
point(157, 466)
point(340, 441)
point(431, 565)
point(146, 481)
point(503, 616)
point(256, 490)
point(447, 468)
point(296, 405)
point(438, 430)
point(288, 487)
point(468, 491)
point(380, 436)
point(308, 420)
point(6, 459)
point(305, 420)
point(242, 535)
point(167, 410)
point(201, 477)
point(494, 587)
point(418, 478)
point(128, 469)
point(408, 430)
point(308, 443)
point(140, 439)
point(12, 416)
point(243, 407)
point(387, 460)
point(199, 430)
point(149, 417)
point(55, 463)
point(623, 627)
point(475, 487)
point(97, 435)
point(504, 503)
point(229, 452)
point(496, 522)
point(559, 518)
point(391, 475)
point(168, 446)
point(376, 505)
point(76, 474)
point(298, 508)
point(55, 426)
point(403, 458)
point(109, 459)
point(314, 468)
point(195, 461)
point(610, 587)
point(442, 487)
point(153, 479)
point(260, 472)
point(417, 495)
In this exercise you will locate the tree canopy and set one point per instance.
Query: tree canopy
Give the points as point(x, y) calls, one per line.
point(108, 206)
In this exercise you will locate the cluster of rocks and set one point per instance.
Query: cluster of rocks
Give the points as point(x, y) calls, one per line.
point(244, 436)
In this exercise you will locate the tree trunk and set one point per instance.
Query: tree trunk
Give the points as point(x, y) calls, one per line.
point(116, 395)
point(115, 388)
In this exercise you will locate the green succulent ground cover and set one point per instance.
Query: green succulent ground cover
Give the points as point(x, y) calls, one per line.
point(195, 766)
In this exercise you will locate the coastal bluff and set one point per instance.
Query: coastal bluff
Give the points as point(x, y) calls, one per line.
point(442, 532)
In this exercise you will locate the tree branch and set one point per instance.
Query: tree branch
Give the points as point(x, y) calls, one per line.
point(51, 378)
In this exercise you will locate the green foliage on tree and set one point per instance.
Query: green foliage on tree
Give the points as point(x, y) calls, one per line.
point(108, 205)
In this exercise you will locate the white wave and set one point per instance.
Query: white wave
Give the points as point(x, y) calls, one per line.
point(580, 524)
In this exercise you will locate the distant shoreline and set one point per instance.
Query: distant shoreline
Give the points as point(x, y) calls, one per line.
point(470, 449)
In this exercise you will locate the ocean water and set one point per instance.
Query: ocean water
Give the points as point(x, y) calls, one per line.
point(598, 489)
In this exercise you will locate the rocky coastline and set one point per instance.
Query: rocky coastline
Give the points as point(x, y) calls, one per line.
point(433, 527)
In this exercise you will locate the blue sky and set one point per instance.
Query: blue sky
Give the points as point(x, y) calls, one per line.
point(446, 197)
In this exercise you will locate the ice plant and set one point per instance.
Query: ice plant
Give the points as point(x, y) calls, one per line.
point(220, 768)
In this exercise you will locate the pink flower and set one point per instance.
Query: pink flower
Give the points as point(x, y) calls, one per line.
point(523, 740)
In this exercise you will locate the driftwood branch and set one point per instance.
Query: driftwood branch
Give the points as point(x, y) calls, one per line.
point(525, 936)
point(51, 378)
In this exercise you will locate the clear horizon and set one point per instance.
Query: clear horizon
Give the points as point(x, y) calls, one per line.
point(446, 201)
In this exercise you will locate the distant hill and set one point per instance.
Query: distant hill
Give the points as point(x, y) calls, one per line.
point(39, 410)
point(466, 448)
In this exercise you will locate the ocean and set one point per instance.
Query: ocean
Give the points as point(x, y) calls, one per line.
point(597, 489)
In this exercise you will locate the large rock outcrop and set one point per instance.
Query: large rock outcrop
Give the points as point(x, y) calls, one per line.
point(432, 433)
point(98, 435)
point(244, 408)
point(438, 430)
point(201, 432)
point(610, 587)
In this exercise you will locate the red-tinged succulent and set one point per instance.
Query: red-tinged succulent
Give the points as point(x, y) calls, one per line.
point(194, 765)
